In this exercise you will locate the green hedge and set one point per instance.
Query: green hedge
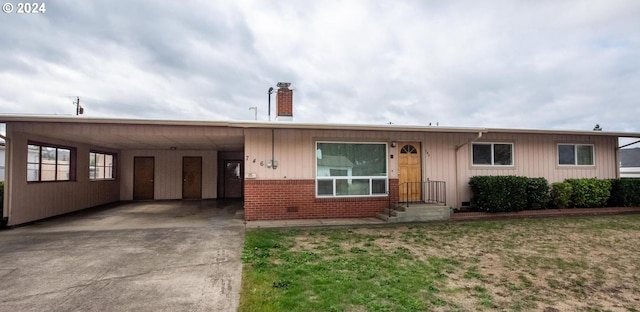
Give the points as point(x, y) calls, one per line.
point(511, 193)
point(589, 192)
point(625, 193)
point(538, 195)
point(560, 194)
point(508, 193)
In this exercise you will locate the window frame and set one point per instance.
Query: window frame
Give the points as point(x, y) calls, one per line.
point(113, 165)
point(56, 164)
point(493, 164)
point(335, 178)
point(575, 155)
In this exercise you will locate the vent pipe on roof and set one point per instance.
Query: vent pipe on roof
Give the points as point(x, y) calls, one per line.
point(269, 108)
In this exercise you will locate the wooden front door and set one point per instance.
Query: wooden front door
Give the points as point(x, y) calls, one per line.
point(410, 172)
point(191, 177)
point(143, 173)
point(233, 174)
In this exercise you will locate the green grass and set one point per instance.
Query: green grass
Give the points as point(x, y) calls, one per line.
point(514, 265)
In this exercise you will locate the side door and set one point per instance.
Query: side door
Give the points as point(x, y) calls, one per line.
point(143, 176)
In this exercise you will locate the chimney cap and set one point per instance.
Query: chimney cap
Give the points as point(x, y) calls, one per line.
point(283, 85)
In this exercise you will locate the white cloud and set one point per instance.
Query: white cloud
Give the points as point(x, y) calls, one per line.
point(543, 64)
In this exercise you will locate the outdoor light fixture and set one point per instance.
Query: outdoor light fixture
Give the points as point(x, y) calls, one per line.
point(394, 144)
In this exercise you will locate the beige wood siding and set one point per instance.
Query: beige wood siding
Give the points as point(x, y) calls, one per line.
point(36, 200)
point(168, 173)
point(294, 150)
point(534, 155)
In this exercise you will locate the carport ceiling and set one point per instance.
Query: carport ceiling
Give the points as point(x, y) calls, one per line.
point(129, 137)
point(164, 141)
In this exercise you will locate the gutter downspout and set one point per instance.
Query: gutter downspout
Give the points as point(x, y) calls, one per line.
point(456, 162)
point(4, 214)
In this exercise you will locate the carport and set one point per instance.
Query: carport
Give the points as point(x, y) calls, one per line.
point(152, 160)
point(136, 256)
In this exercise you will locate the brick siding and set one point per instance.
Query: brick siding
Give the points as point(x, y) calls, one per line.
point(296, 199)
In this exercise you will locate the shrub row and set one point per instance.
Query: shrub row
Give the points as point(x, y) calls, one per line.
point(625, 193)
point(508, 193)
point(561, 194)
point(581, 193)
point(512, 193)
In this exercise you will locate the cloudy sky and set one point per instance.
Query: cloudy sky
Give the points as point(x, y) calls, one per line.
point(523, 64)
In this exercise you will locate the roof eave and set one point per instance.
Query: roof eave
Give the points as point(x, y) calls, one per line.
point(295, 125)
point(566, 132)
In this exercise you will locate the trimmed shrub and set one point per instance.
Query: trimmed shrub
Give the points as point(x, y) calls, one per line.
point(537, 193)
point(560, 194)
point(502, 193)
point(625, 193)
point(589, 192)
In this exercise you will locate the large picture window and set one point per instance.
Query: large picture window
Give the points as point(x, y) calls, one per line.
point(492, 154)
point(49, 163)
point(575, 155)
point(101, 166)
point(351, 169)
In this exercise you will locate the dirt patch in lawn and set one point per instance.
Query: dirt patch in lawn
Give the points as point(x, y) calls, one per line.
point(573, 264)
point(537, 264)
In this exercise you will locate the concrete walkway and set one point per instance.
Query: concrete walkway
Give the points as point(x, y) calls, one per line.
point(314, 223)
point(155, 256)
point(461, 216)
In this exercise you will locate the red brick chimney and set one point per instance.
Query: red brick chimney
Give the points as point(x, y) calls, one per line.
point(284, 102)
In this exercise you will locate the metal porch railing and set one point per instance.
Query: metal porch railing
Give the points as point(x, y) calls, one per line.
point(425, 192)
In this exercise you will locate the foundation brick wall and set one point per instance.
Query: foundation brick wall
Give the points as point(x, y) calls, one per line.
point(295, 199)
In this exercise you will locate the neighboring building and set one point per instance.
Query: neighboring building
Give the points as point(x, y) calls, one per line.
point(281, 169)
point(630, 162)
point(2, 151)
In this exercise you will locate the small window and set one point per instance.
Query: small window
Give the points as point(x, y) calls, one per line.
point(101, 166)
point(492, 154)
point(575, 155)
point(49, 163)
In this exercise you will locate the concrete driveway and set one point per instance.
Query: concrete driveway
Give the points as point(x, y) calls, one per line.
point(153, 256)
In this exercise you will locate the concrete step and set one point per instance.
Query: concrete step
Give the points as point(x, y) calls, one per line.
point(394, 213)
point(385, 217)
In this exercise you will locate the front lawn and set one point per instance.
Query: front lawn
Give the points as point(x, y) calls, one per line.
point(573, 264)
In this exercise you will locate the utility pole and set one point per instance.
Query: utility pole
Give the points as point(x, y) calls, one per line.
point(79, 109)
